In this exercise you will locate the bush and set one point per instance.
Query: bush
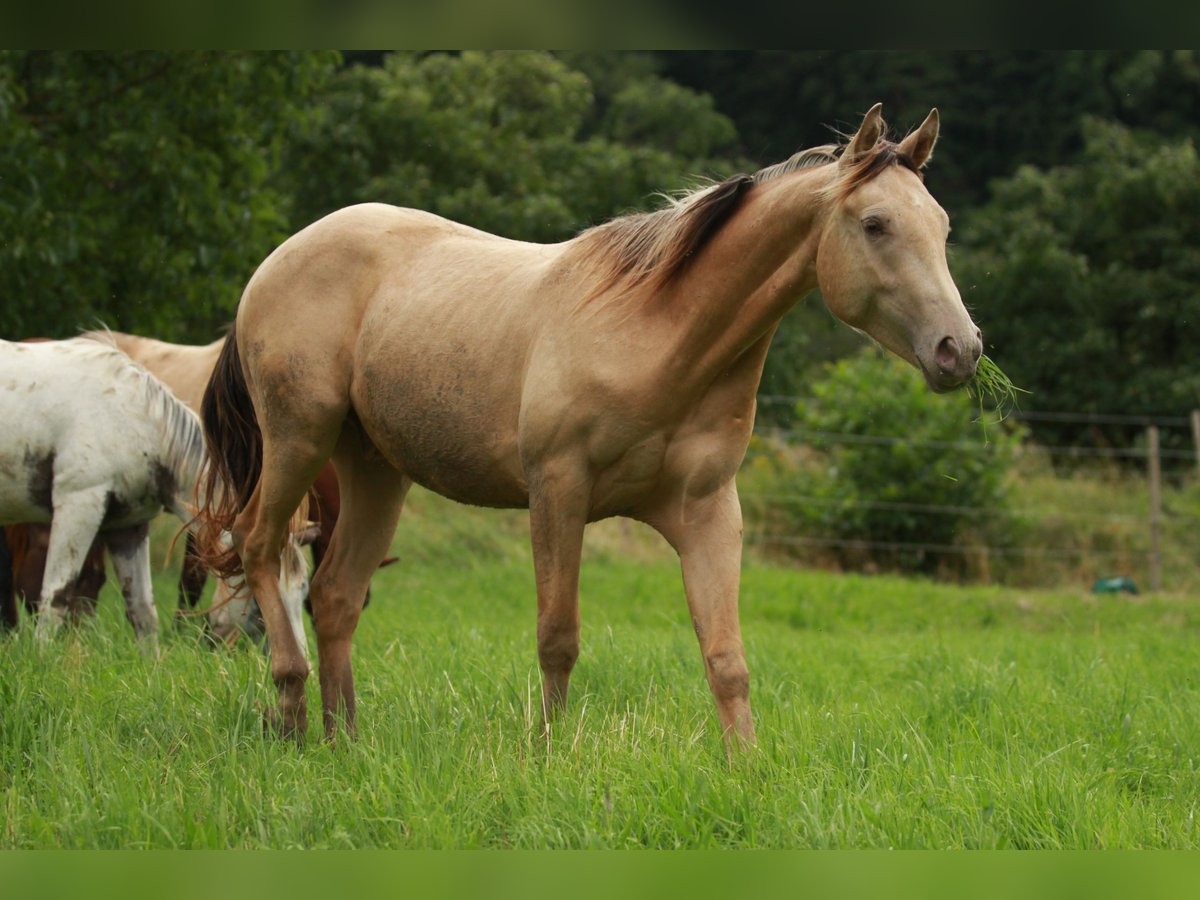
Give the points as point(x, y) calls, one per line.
point(883, 472)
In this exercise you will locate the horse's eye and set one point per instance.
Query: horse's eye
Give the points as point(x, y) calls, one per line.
point(873, 226)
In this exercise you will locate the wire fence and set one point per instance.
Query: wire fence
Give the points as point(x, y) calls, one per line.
point(1177, 462)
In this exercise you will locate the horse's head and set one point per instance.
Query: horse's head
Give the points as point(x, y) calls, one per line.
point(235, 612)
point(881, 264)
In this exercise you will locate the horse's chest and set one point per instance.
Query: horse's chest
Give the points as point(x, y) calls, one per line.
point(624, 482)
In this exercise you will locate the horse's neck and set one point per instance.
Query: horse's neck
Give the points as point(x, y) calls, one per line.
point(730, 300)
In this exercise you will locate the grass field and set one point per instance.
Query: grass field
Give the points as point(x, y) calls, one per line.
point(891, 713)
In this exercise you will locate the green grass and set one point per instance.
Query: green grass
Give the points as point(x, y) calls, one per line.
point(991, 387)
point(891, 713)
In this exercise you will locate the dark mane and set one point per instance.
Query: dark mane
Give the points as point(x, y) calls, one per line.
point(653, 248)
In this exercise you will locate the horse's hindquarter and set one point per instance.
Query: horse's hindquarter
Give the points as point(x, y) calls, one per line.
point(26, 450)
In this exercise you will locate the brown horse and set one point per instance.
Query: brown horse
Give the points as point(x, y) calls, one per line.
point(613, 374)
point(24, 563)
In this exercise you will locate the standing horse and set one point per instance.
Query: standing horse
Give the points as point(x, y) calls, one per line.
point(93, 444)
point(613, 374)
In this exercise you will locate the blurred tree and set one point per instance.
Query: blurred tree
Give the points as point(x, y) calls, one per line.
point(1086, 278)
point(510, 142)
point(1000, 109)
point(134, 186)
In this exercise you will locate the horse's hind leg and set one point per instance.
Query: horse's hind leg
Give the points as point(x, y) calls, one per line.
point(372, 496)
point(291, 459)
point(75, 520)
point(300, 396)
point(129, 549)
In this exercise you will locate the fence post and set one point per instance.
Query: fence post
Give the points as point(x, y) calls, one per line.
point(1196, 437)
point(1155, 509)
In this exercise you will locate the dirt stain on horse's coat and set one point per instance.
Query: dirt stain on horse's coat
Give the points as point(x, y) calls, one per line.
point(40, 479)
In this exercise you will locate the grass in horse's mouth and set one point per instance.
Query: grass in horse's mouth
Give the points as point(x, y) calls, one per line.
point(992, 385)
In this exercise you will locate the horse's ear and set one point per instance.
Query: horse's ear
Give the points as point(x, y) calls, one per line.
point(867, 136)
point(388, 560)
point(918, 146)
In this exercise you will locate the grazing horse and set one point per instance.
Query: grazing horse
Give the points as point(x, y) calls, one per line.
point(25, 548)
point(94, 444)
point(612, 374)
point(186, 369)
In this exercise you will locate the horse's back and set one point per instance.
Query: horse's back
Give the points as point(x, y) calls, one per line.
point(375, 254)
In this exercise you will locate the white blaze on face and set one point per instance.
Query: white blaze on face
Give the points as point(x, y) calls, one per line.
point(235, 610)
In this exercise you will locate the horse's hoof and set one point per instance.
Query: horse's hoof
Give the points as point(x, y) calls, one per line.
point(279, 725)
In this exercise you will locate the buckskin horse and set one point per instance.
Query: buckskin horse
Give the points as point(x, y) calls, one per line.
point(612, 374)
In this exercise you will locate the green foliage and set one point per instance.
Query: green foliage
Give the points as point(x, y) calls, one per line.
point(134, 186)
point(1087, 275)
point(512, 143)
point(880, 450)
point(1000, 108)
point(808, 337)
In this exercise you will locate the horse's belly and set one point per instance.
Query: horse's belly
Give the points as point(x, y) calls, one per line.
point(17, 504)
point(458, 471)
point(461, 450)
point(26, 482)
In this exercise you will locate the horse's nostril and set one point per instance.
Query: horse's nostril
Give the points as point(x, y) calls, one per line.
point(947, 355)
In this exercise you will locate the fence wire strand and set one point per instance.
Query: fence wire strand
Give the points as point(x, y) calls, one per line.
point(815, 438)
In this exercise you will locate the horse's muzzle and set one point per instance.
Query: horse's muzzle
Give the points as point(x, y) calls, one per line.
point(954, 364)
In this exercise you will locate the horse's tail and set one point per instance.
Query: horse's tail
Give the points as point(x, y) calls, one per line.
point(234, 444)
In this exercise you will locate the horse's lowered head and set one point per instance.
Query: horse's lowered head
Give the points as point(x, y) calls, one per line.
point(881, 262)
point(234, 612)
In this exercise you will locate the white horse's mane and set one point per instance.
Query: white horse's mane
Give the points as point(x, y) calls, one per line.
point(183, 436)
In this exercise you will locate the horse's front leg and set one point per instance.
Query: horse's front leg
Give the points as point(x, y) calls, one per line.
point(558, 498)
point(706, 532)
point(129, 549)
point(75, 519)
